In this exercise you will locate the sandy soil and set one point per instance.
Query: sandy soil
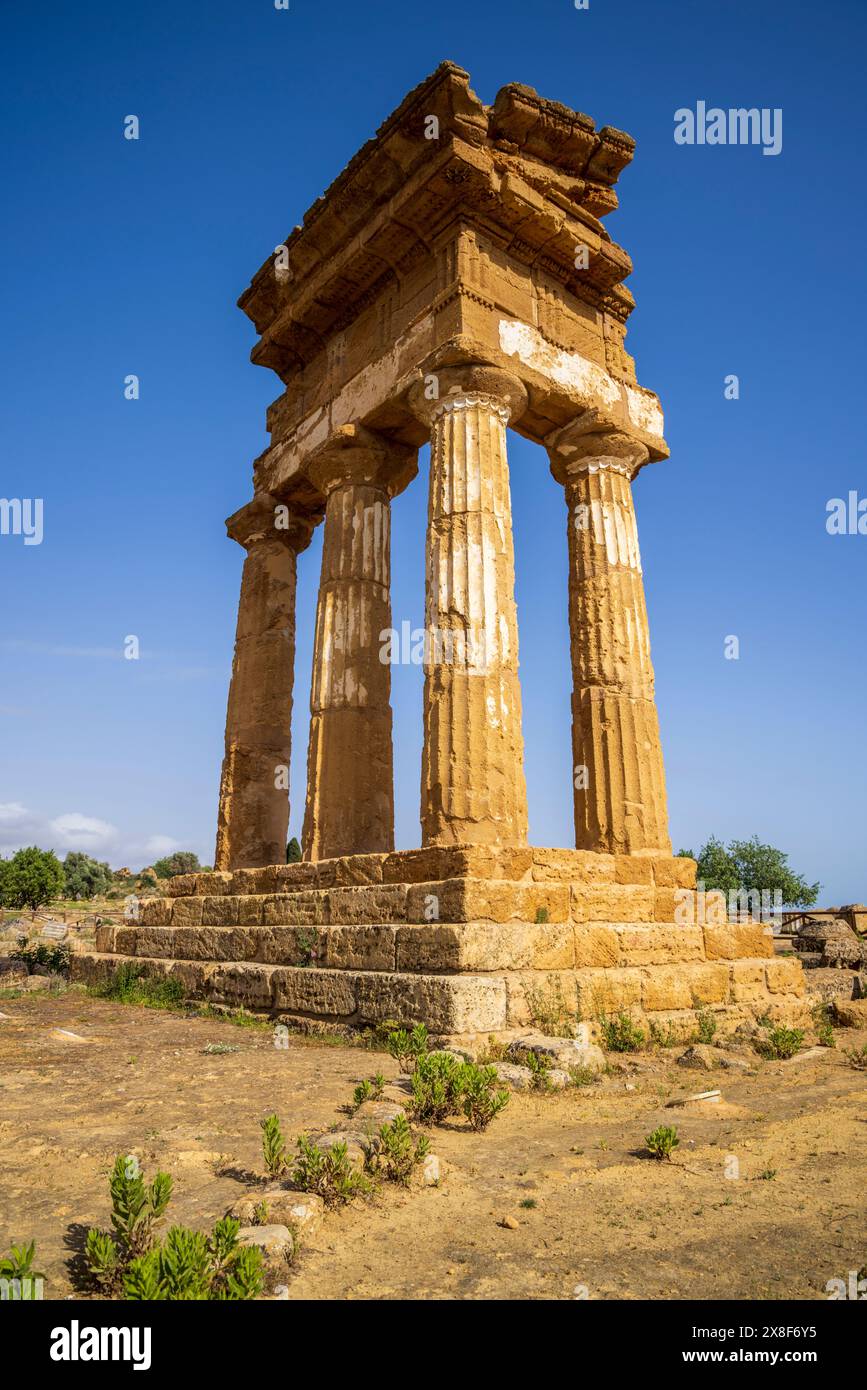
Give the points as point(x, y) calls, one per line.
point(599, 1220)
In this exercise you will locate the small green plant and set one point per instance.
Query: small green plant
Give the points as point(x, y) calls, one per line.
point(539, 1066)
point(260, 1214)
point(327, 1172)
point(481, 1102)
point(620, 1034)
point(781, 1043)
point(856, 1057)
point(549, 1011)
point(54, 958)
point(662, 1142)
point(822, 1025)
point(768, 1174)
point(436, 1090)
point(369, 1089)
point(129, 984)
point(407, 1047)
point(706, 1025)
point(582, 1076)
point(493, 1051)
point(528, 1203)
point(219, 1049)
point(541, 915)
point(273, 1146)
point(307, 942)
point(395, 1153)
point(128, 1261)
point(16, 1270)
point(663, 1037)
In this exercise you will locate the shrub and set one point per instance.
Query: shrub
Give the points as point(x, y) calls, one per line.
point(273, 1146)
point(539, 1066)
point(16, 1269)
point(706, 1026)
point(129, 984)
point(550, 1013)
point(369, 1089)
point(181, 862)
point(327, 1172)
point(582, 1076)
point(620, 1034)
point(662, 1142)
point(31, 877)
point(481, 1102)
point(406, 1047)
point(663, 1037)
point(54, 958)
point(857, 1057)
point(129, 1262)
point(822, 1024)
point(781, 1043)
point(395, 1152)
point(436, 1091)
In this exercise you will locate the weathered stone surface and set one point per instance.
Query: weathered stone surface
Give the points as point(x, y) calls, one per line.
point(473, 788)
point(513, 1075)
point(734, 940)
point(852, 1014)
point(254, 810)
point(446, 1004)
point(350, 798)
point(563, 1052)
point(620, 801)
point(699, 1057)
point(474, 946)
point(301, 1212)
point(654, 945)
point(276, 1243)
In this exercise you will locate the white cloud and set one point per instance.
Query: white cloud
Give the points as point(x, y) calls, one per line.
point(159, 845)
point(75, 831)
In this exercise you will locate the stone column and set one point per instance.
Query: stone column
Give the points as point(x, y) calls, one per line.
point(618, 775)
point(472, 786)
point(350, 784)
point(254, 793)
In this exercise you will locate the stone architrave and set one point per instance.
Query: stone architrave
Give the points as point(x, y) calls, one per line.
point(350, 783)
point(472, 782)
point(253, 813)
point(619, 780)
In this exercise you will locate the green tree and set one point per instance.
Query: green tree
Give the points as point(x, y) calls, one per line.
point(181, 862)
point(749, 866)
point(293, 852)
point(85, 877)
point(32, 877)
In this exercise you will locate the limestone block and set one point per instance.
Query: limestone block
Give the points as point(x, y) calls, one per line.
point(258, 881)
point(562, 1052)
point(358, 868)
point(785, 976)
point(289, 877)
point(534, 995)
point(276, 1244)
point(597, 946)
point(747, 982)
point(360, 948)
point(327, 992)
point(477, 900)
point(368, 904)
point(612, 903)
point(607, 991)
point(673, 873)
point(473, 946)
point(635, 869)
point(106, 936)
point(187, 912)
point(154, 912)
point(653, 945)
point(182, 885)
point(737, 940)
point(250, 909)
point(666, 987)
point(446, 1004)
point(243, 983)
point(306, 907)
point(572, 866)
point(220, 911)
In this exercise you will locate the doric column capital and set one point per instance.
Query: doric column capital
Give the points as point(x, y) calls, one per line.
point(358, 456)
point(265, 518)
point(465, 385)
point(588, 445)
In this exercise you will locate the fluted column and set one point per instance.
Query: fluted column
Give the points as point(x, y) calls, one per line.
point(350, 783)
point(473, 789)
point(253, 814)
point(619, 779)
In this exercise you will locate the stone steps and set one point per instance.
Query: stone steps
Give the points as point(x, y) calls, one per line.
point(441, 947)
point(404, 867)
point(471, 1002)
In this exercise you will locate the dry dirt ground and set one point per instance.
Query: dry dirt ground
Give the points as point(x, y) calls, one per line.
point(600, 1221)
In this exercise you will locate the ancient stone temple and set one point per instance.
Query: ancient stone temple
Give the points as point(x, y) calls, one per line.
point(454, 282)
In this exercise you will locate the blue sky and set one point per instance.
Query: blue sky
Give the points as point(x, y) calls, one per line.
point(127, 257)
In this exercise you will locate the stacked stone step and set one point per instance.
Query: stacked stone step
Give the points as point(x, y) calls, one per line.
point(463, 939)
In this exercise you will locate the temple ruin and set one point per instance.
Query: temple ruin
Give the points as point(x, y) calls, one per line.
point(455, 281)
